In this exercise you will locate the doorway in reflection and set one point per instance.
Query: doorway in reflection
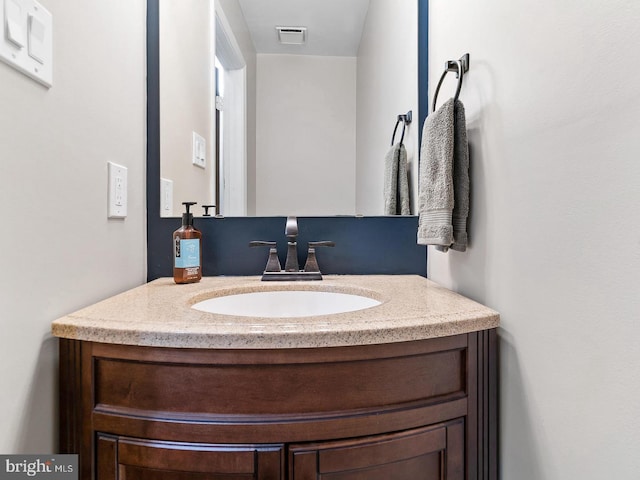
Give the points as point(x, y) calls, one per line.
point(231, 125)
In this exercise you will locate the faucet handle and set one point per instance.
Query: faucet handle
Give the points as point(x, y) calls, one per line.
point(312, 263)
point(261, 243)
point(273, 263)
point(322, 243)
point(206, 210)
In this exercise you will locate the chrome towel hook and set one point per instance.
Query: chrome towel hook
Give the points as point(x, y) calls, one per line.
point(460, 67)
point(405, 118)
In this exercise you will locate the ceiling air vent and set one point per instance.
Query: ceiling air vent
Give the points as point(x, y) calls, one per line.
point(292, 35)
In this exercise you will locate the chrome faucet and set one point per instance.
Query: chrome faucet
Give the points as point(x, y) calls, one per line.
point(291, 232)
point(274, 271)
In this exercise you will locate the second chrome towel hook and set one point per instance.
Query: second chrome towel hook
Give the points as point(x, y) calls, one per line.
point(405, 118)
point(460, 67)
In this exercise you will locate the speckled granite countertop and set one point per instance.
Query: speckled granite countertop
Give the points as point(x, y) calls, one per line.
point(160, 314)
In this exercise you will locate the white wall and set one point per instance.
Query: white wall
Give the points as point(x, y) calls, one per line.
point(60, 252)
point(553, 110)
point(186, 89)
point(387, 86)
point(305, 140)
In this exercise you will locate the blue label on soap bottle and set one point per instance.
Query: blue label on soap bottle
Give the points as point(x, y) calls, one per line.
point(187, 253)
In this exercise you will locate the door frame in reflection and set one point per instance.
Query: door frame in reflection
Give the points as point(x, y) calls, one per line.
point(231, 122)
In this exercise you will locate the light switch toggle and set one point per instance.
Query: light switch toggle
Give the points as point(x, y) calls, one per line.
point(37, 36)
point(13, 17)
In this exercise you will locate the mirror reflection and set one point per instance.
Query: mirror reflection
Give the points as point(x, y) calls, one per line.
point(296, 120)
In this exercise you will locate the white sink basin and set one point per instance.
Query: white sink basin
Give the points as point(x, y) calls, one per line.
point(285, 303)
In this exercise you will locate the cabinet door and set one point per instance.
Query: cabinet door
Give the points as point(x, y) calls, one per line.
point(121, 458)
point(431, 453)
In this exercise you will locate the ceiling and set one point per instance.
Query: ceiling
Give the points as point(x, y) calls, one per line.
point(334, 27)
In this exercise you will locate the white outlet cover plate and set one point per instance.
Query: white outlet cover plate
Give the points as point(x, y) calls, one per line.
point(26, 39)
point(166, 197)
point(117, 190)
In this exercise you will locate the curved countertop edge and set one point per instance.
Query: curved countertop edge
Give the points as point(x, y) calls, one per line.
point(414, 308)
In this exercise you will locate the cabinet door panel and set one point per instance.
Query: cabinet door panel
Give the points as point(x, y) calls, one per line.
point(124, 458)
point(425, 467)
point(138, 473)
point(185, 457)
point(430, 453)
point(382, 449)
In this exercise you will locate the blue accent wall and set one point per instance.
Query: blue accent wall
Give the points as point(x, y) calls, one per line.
point(364, 245)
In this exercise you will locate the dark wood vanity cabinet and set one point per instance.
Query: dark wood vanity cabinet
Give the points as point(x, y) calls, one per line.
point(399, 411)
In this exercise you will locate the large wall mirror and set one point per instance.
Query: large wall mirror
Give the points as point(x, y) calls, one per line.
point(267, 122)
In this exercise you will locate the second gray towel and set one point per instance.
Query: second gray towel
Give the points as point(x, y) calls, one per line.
point(444, 179)
point(396, 182)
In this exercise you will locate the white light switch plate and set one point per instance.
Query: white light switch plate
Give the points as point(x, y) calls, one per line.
point(26, 39)
point(199, 151)
point(117, 190)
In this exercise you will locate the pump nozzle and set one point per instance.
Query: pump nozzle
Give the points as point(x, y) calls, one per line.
point(187, 218)
point(188, 204)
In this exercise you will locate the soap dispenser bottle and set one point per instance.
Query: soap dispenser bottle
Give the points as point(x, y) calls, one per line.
point(187, 250)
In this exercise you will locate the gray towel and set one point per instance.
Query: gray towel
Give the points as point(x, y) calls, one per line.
point(396, 182)
point(444, 179)
point(460, 179)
